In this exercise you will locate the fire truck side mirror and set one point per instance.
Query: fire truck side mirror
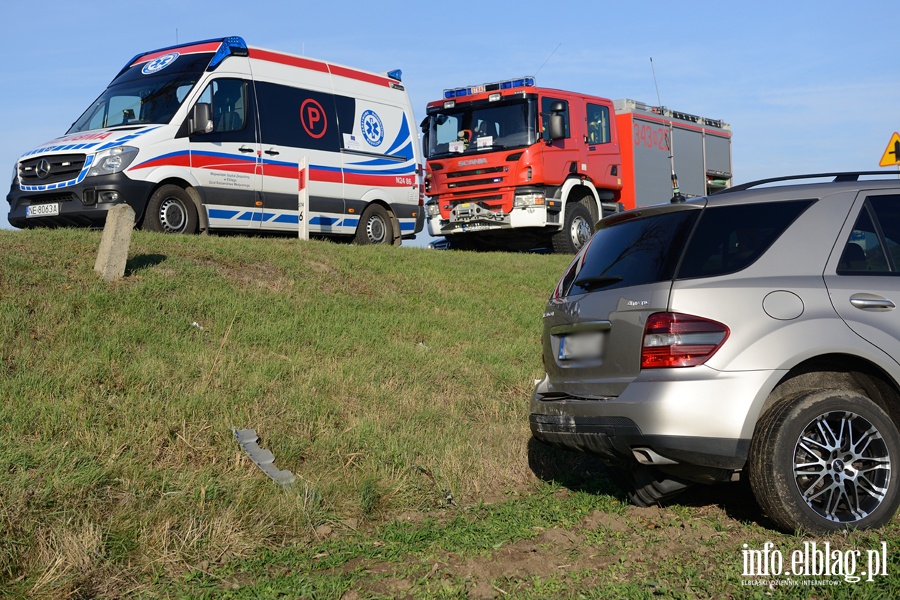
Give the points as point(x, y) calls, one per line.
point(556, 122)
point(556, 126)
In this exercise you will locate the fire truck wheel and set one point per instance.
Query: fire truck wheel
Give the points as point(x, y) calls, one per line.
point(576, 231)
point(171, 210)
point(375, 226)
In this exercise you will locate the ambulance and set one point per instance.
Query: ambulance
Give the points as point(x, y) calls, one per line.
point(216, 135)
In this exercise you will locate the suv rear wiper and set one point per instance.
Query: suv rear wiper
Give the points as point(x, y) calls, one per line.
point(593, 283)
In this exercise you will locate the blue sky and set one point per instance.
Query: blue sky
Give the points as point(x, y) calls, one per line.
point(806, 86)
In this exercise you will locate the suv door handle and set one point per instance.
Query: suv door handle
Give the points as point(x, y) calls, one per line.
point(272, 152)
point(245, 149)
point(871, 302)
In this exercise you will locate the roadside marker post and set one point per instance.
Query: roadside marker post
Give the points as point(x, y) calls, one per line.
point(303, 199)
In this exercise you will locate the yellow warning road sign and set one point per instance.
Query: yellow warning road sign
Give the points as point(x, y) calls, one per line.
point(892, 153)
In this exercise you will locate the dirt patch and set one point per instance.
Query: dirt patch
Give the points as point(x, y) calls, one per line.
point(639, 544)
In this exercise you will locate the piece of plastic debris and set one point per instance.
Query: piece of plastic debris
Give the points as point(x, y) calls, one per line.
point(198, 326)
point(261, 457)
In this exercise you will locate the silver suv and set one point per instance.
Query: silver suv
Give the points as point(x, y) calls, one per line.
point(749, 333)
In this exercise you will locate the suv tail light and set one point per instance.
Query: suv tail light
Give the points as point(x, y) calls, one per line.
point(679, 340)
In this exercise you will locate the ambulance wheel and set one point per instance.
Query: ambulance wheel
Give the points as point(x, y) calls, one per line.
point(577, 229)
point(171, 210)
point(375, 226)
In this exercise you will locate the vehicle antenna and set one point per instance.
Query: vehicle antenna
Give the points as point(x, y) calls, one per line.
point(676, 192)
point(548, 58)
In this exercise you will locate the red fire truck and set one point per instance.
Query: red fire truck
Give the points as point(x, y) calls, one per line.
point(516, 166)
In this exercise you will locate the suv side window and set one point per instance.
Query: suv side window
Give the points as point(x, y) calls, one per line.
point(874, 243)
point(730, 238)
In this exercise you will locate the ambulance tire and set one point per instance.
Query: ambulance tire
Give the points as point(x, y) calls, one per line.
point(171, 210)
point(578, 227)
point(375, 226)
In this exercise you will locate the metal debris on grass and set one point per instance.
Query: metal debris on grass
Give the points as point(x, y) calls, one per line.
point(263, 458)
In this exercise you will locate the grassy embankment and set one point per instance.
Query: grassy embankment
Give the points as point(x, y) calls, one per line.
point(394, 382)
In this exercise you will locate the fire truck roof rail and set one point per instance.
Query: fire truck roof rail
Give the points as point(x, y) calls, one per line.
point(506, 84)
point(628, 105)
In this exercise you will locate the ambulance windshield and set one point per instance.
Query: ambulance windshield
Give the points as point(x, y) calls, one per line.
point(138, 102)
point(136, 97)
point(482, 126)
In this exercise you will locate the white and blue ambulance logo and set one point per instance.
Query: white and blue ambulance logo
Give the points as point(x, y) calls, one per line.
point(372, 128)
point(158, 64)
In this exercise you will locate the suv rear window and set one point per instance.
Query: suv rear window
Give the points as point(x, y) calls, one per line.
point(730, 238)
point(633, 251)
point(644, 247)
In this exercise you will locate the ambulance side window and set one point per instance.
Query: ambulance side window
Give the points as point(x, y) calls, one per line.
point(229, 101)
point(298, 118)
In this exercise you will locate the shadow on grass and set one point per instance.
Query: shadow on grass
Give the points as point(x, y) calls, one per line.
point(142, 261)
point(583, 472)
point(577, 471)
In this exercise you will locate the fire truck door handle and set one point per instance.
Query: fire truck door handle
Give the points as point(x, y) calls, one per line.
point(272, 152)
point(245, 149)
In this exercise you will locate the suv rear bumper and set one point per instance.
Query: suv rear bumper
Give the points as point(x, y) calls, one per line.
point(619, 439)
point(691, 417)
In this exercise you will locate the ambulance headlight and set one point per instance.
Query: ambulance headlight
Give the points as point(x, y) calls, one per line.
point(113, 160)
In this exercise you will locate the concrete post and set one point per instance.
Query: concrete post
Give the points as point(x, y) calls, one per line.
point(114, 244)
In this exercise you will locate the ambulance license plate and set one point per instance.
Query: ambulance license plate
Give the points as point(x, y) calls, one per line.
point(42, 210)
point(581, 346)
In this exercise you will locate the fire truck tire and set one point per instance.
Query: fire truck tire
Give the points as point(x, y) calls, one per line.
point(375, 226)
point(577, 228)
point(171, 210)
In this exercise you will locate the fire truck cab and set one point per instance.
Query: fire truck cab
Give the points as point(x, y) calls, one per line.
point(510, 164)
point(516, 166)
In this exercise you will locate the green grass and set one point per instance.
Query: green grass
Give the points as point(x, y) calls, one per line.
point(393, 382)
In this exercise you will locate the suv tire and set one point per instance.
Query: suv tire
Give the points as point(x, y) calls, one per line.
point(823, 461)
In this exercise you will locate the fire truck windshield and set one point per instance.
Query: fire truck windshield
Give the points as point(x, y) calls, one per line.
point(471, 127)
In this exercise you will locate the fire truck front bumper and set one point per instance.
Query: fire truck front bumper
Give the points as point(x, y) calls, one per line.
point(469, 216)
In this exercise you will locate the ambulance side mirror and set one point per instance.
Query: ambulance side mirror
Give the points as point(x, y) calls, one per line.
point(200, 118)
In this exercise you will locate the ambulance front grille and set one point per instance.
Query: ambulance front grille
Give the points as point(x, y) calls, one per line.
point(49, 169)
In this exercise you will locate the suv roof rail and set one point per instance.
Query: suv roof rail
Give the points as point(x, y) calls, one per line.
point(838, 178)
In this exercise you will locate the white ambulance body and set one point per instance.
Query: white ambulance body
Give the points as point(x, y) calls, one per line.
point(211, 135)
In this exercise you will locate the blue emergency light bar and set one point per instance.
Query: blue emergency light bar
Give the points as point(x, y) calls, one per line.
point(233, 45)
point(488, 87)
